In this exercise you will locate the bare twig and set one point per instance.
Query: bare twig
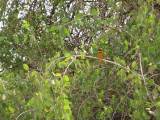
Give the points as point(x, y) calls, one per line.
point(153, 76)
point(24, 113)
point(140, 59)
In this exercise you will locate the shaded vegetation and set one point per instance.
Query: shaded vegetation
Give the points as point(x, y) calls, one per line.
point(49, 66)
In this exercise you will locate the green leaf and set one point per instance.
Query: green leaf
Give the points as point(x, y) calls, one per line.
point(152, 68)
point(97, 10)
point(46, 80)
point(149, 1)
point(130, 76)
point(2, 39)
point(79, 15)
point(133, 64)
point(120, 3)
point(152, 22)
point(16, 40)
point(50, 115)
point(11, 109)
point(123, 62)
point(158, 103)
point(66, 107)
point(53, 28)
point(25, 37)
point(25, 66)
point(158, 88)
point(136, 114)
point(58, 74)
point(82, 55)
point(110, 20)
point(144, 36)
point(57, 55)
point(136, 42)
point(93, 12)
point(67, 59)
point(67, 84)
point(66, 32)
point(65, 52)
point(59, 64)
point(66, 78)
point(116, 58)
point(25, 25)
point(57, 83)
point(140, 2)
point(66, 102)
point(155, 93)
point(125, 42)
point(33, 73)
point(79, 22)
point(30, 102)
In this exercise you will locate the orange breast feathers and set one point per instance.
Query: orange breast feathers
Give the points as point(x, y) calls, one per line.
point(100, 56)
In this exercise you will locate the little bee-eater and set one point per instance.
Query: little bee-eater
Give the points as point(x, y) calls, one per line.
point(100, 56)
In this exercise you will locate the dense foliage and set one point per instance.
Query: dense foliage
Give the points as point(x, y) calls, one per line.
point(49, 67)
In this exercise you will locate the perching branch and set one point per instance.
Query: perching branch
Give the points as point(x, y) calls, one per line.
point(112, 62)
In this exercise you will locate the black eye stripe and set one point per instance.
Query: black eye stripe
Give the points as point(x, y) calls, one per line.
point(100, 49)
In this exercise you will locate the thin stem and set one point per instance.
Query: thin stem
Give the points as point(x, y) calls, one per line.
point(143, 76)
point(81, 105)
point(64, 75)
point(24, 113)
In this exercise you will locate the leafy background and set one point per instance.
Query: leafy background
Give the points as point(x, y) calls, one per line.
point(49, 66)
